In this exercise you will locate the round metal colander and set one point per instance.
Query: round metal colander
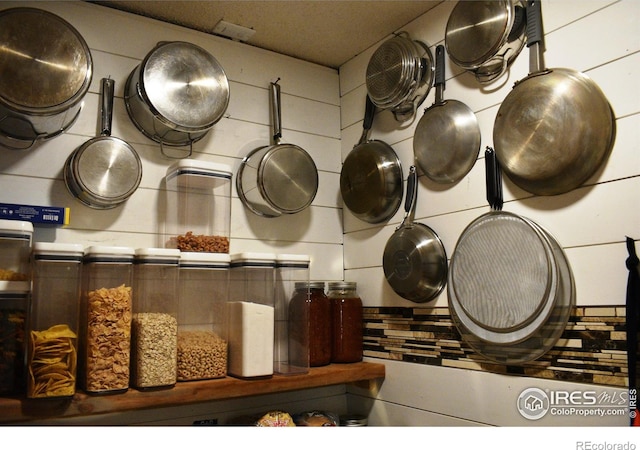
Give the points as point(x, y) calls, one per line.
point(399, 75)
point(510, 288)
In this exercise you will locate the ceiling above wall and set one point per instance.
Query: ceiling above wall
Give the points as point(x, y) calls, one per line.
point(326, 32)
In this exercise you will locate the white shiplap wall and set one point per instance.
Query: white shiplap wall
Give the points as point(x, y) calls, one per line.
point(598, 37)
point(310, 118)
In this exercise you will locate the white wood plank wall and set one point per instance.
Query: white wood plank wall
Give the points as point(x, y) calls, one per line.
point(598, 37)
point(310, 118)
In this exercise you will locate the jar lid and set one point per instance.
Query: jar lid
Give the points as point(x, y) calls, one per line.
point(157, 256)
point(250, 259)
point(100, 253)
point(289, 260)
point(342, 285)
point(15, 228)
point(203, 260)
point(14, 287)
point(309, 285)
point(57, 251)
point(188, 166)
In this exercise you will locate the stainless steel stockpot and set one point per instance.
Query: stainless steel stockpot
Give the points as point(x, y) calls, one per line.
point(45, 72)
point(177, 93)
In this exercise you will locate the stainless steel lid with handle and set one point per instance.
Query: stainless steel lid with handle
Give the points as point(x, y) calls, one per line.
point(105, 171)
point(199, 93)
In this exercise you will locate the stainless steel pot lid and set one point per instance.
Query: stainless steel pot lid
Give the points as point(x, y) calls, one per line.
point(104, 172)
point(185, 85)
point(38, 46)
point(476, 30)
point(287, 178)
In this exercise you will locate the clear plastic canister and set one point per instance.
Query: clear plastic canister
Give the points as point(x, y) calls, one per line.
point(291, 348)
point(14, 311)
point(202, 320)
point(52, 353)
point(15, 249)
point(346, 322)
point(154, 324)
point(251, 314)
point(198, 213)
point(105, 319)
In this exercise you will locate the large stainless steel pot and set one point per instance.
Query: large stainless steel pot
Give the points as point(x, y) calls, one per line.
point(556, 127)
point(45, 72)
point(280, 178)
point(400, 75)
point(177, 93)
point(485, 37)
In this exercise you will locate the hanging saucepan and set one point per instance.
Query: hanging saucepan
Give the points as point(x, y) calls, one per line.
point(414, 259)
point(280, 178)
point(45, 72)
point(177, 94)
point(446, 141)
point(399, 76)
point(485, 37)
point(510, 286)
point(556, 127)
point(371, 177)
point(105, 171)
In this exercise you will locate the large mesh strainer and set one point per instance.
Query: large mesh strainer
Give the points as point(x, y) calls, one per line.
point(510, 287)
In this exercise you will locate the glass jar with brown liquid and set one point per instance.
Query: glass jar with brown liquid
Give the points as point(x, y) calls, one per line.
point(346, 322)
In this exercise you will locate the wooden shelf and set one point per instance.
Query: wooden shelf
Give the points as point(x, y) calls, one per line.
point(22, 409)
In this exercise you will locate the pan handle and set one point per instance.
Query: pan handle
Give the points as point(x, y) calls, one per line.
point(276, 117)
point(106, 109)
point(369, 113)
point(535, 36)
point(410, 200)
point(493, 179)
point(440, 75)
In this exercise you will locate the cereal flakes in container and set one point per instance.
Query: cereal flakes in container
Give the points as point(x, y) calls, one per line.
point(198, 208)
point(15, 249)
point(105, 319)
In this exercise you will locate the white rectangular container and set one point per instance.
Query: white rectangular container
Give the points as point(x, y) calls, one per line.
point(251, 337)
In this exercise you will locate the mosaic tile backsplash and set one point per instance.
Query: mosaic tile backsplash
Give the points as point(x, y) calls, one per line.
point(592, 348)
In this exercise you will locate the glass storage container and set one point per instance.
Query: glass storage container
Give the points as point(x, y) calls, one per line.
point(251, 314)
point(14, 311)
point(291, 347)
point(105, 319)
point(15, 249)
point(311, 297)
point(198, 214)
point(346, 322)
point(154, 324)
point(202, 321)
point(52, 353)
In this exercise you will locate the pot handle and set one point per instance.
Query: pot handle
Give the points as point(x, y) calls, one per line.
point(369, 113)
point(106, 109)
point(410, 200)
point(6, 140)
point(276, 117)
point(535, 36)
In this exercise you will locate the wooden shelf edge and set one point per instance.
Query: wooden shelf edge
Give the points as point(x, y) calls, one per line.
point(24, 410)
